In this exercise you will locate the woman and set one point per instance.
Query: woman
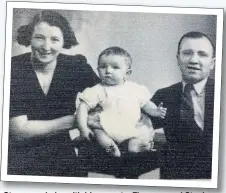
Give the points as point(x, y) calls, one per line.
point(44, 85)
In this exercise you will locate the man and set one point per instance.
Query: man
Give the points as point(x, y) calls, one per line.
point(188, 124)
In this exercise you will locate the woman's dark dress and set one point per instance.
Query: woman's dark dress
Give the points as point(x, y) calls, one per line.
point(53, 154)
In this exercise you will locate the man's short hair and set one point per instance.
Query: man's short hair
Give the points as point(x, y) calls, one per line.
point(195, 35)
point(117, 51)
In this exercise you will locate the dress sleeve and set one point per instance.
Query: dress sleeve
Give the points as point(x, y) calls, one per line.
point(18, 101)
point(144, 95)
point(87, 77)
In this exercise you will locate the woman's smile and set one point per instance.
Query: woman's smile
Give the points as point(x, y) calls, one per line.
point(47, 42)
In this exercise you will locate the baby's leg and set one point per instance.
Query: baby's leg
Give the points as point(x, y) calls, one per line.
point(106, 142)
point(136, 145)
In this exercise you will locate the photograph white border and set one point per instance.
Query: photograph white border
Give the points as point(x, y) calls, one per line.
point(118, 8)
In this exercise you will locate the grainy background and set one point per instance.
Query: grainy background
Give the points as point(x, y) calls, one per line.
point(150, 38)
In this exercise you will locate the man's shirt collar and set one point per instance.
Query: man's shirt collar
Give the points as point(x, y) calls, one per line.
point(199, 86)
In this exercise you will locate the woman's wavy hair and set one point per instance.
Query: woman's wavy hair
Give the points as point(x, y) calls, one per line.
point(53, 18)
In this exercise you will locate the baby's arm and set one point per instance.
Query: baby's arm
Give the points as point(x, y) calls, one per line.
point(151, 109)
point(82, 117)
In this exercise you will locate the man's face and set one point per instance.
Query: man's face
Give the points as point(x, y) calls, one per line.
point(195, 59)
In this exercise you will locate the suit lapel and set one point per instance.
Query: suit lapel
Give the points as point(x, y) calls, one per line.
point(176, 100)
point(209, 105)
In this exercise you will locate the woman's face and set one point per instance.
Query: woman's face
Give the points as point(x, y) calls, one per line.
point(46, 42)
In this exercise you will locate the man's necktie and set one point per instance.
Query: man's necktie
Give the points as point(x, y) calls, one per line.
point(187, 107)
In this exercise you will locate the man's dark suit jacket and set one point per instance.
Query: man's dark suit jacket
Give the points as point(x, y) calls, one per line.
point(188, 151)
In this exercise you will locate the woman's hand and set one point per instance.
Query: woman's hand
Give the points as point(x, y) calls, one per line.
point(87, 134)
point(94, 120)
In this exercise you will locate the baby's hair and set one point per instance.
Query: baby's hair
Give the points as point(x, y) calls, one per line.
point(117, 51)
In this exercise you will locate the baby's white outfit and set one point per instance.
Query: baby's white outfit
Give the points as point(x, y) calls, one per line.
point(121, 109)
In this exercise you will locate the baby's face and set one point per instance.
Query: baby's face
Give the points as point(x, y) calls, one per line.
point(112, 69)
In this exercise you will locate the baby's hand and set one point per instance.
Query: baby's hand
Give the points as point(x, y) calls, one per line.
point(161, 111)
point(87, 134)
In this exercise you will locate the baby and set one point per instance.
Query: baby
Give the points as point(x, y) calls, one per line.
point(121, 102)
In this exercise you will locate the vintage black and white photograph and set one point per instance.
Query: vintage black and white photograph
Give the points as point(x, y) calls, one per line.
point(110, 94)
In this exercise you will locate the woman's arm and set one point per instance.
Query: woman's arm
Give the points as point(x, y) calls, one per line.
point(21, 128)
